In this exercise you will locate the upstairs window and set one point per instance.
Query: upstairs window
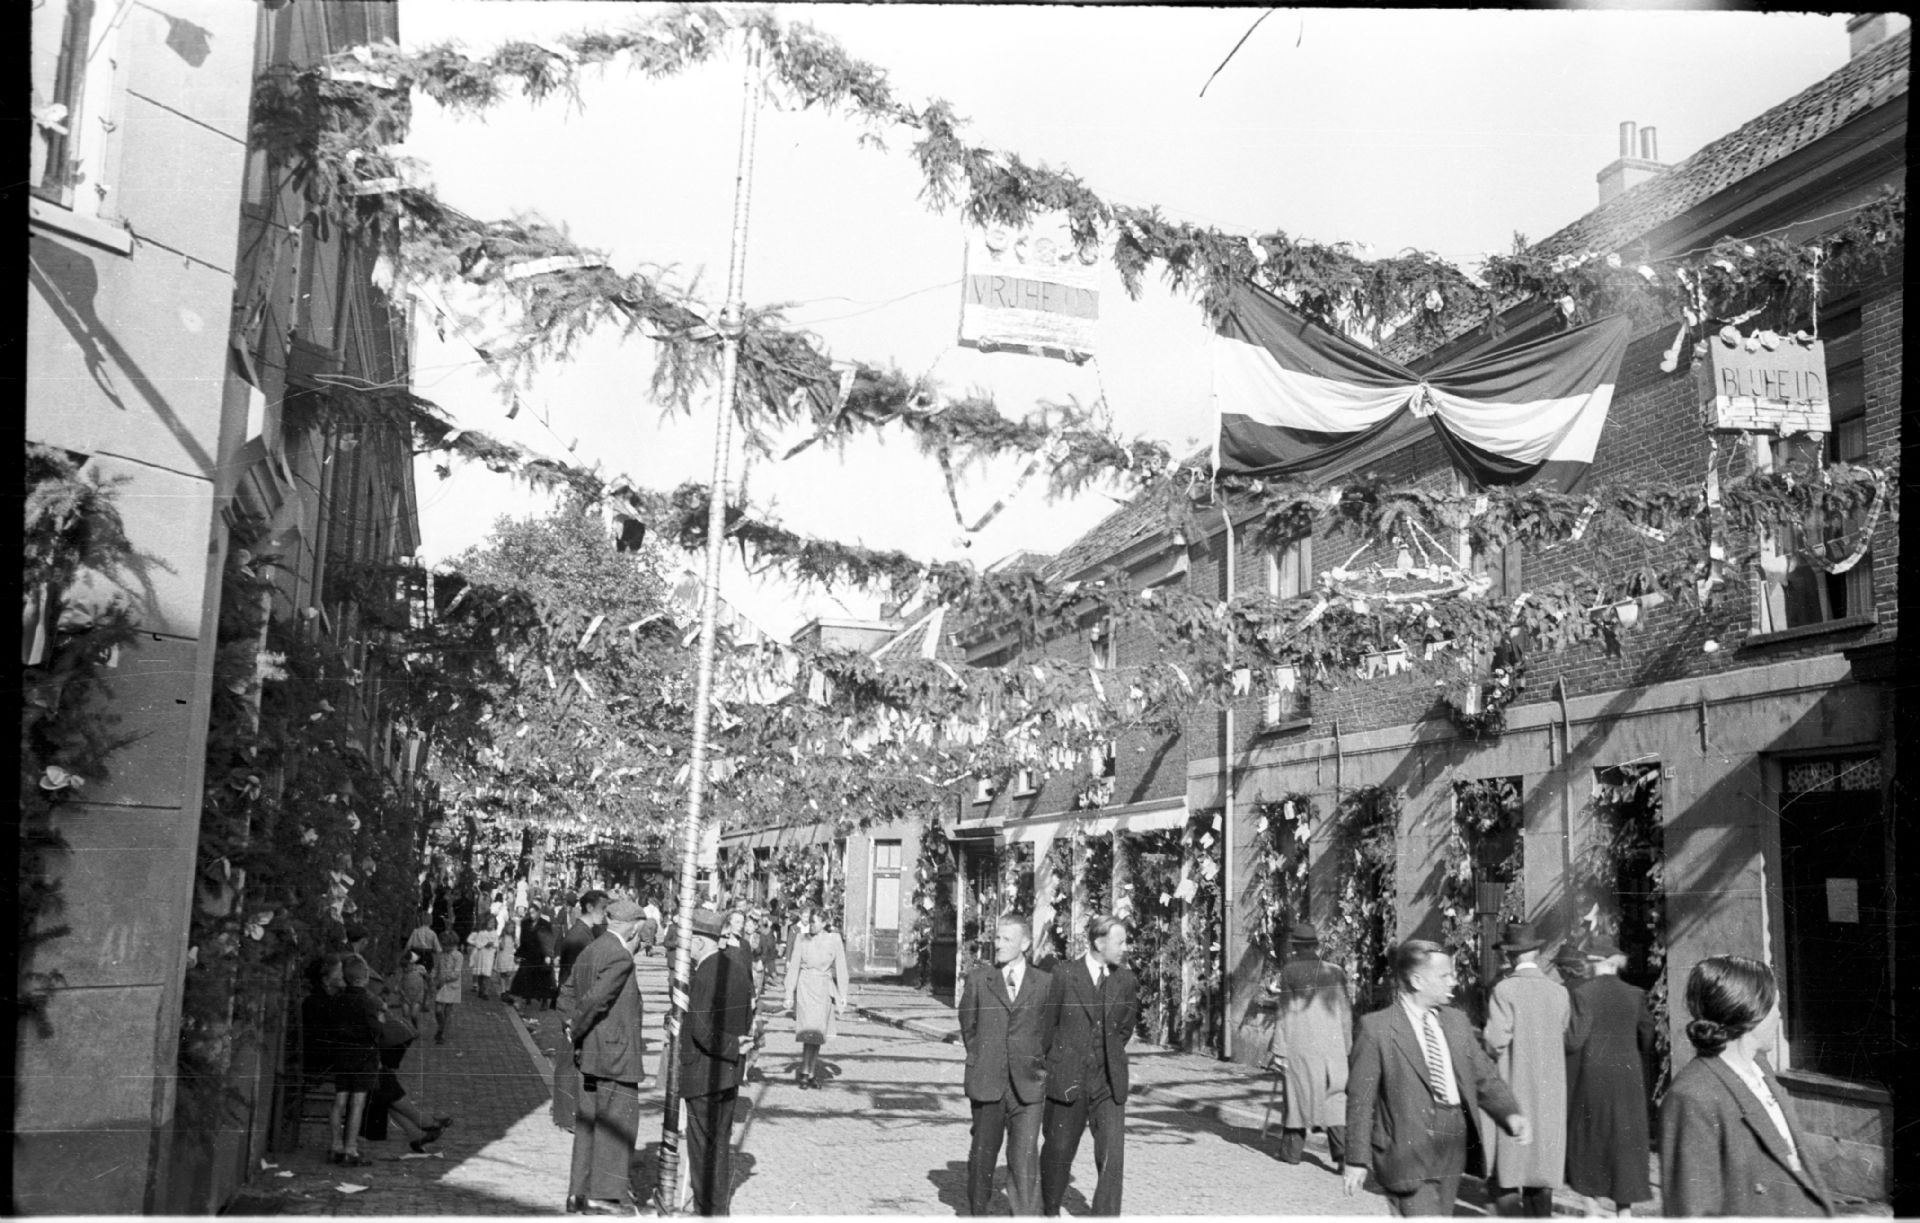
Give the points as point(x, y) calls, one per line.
point(73, 68)
point(1289, 575)
point(1797, 590)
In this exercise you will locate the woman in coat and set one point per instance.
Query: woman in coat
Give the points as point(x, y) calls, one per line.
point(1730, 1143)
point(1609, 1044)
point(534, 982)
point(816, 990)
point(1312, 1039)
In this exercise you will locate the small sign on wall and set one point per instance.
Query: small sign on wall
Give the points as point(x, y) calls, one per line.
point(1843, 900)
point(1030, 290)
point(1778, 387)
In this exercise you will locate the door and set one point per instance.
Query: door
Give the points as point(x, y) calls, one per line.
point(1838, 1004)
point(883, 906)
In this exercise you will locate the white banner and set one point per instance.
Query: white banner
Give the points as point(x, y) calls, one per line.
point(1030, 290)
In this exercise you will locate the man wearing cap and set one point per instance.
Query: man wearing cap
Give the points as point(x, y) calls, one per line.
point(590, 917)
point(1312, 1038)
point(608, 1047)
point(1610, 1043)
point(719, 1015)
point(1526, 1032)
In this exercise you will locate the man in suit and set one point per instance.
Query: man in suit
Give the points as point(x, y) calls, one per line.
point(608, 1048)
point(719, 1015)
point(590, 919)
point(1312, 1036)
point(1416, 1078)
point(1008, 1030)
point(1096, 1003)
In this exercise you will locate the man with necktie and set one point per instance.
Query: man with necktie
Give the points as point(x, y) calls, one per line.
point(1416, 1078)
point(1096, 1002)
point(1007, 1027)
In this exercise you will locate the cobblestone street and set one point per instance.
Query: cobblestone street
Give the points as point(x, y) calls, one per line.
point(885, 1135)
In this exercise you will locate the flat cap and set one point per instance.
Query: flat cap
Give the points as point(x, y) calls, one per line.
point(624, 911)
point(707, 922)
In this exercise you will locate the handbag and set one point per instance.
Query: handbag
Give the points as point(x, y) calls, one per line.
point(395, 1032)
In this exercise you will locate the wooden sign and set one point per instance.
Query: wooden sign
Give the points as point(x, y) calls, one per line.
point(1030, 290)
point(1750, 387)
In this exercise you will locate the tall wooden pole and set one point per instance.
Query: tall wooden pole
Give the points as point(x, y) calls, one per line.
point(667, 1191)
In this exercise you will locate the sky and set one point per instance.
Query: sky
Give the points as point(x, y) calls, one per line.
point(1444, 130)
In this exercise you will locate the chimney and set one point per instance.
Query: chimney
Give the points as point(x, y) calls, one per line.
point(1639, 161)
point(1865, 31)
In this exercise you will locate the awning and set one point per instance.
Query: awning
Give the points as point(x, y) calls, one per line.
point(790, 836)
point(1154, 815)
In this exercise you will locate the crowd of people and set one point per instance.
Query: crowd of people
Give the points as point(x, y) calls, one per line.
point(1553, 1088)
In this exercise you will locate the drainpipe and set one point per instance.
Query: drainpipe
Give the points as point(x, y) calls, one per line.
point(1226, 820)
point(1566, 802)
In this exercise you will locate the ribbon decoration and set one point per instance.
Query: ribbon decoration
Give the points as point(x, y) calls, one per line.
point(1050, 451)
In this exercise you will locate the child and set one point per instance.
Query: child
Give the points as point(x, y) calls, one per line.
point(503, 961)
point(413, 991)
point(447, 970)
point(482, 943)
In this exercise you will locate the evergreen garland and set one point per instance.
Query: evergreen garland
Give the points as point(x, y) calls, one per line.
point(1625, 854)
point(1362, 854)
point(1282, 839)
point(1483, 811)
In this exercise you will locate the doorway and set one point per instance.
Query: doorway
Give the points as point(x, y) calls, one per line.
point(883, 906)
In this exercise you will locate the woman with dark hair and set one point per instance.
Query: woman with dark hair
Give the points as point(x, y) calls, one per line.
point(534, 981)
point(1730, 1143)
point(816, 989)
point(345, 1040)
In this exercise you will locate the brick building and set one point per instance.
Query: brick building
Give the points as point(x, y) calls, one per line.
point(1712, 725)
point(178, 309)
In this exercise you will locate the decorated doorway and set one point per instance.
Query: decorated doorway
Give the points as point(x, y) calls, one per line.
point(1619, 890)
point(1484, 882)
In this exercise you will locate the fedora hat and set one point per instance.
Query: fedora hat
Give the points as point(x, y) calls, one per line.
point(1600, 947)
point(1570, 955)
point(1303, 933)
point(1520, 936)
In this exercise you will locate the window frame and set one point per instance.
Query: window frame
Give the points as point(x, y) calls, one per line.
point(80, 207)
point(1288, 707)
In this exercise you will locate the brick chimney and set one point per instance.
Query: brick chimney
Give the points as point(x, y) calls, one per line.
point(1867, 30)
point(1639, 161)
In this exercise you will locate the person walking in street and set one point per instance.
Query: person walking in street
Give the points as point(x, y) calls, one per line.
point(447, 972)
point(1570, 965)
point(590, 918)
point(1527, 1034)
point(424, 939)
point(1730, 1141)
point(346, 1041)
point(607, 1040)
point(766, 944)
point(712, 1058)
point(1095, 999)
point(654, 922)
point(816, 992)
point(1312, 1039)
point(533, 981)
point(1610, 1042)
point(1007, 1028)
point(506, 960)
point(481, 945)
point(393, 1035)
point(1416, 1078)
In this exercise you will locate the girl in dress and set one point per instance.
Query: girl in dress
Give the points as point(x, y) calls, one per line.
point(816, 990)
point(481, 945)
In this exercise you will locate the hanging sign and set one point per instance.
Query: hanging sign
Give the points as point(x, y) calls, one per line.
point(1764, 384)
point(1030, 290)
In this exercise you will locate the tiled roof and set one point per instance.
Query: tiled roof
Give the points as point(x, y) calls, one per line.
point(1869, 80)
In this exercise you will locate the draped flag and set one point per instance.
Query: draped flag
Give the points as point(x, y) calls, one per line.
point(1294, 396)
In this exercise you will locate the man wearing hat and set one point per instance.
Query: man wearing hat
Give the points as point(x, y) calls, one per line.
point(1527, 1019)
point(608, 1047)
point(1312, 1038)
point(719, 1015)
point(1610, 1043)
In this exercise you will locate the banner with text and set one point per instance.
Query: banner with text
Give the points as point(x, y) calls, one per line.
point(1030, 290)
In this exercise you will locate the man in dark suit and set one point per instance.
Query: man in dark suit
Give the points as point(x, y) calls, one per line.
point(719, 1014)
point(1416, 1076)
point(608, 1048)
point(1096, 1002)
point(1008, 1029)
point(590, 919)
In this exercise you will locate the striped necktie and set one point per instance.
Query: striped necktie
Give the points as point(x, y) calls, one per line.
point(1436, 1068)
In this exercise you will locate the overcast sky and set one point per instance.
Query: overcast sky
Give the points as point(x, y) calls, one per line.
point(1444, 130)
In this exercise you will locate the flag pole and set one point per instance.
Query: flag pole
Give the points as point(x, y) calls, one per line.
point(668, 1197)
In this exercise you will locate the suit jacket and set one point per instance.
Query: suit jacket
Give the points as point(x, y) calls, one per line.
point(719, 1012)
point(608, 1012)
point(1091, 1027)
point(578, 938)
point(1390, 1105)
point(1007, 1039)
point(1721, 1155)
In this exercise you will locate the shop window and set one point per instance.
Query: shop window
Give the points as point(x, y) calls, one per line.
point(1796, 589)
point(1837, 1003)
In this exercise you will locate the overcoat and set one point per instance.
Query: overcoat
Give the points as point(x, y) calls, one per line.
point(1527, 1032)
point(1313, 1030)
point(719, 1013)
point(816, 985)
point(1609, 1044)
point(1007, 1039)
point(608, 1014)
point(1720, 1153)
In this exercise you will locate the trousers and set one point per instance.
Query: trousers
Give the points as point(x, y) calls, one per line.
point(1293, 1144)
point(1018, 1125)
point(1065, 1122)
point(606, 1122)
point(1435, 1195)
point(710, 1150)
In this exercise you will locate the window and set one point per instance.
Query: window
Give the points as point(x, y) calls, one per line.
point(73, 68)
point(1103, 650)
point(1105, 758)
point(1501, 567)
point(1025, 782)
point(1289, 575)
point(1796, 590)
point(984, 789)
point(886, 855)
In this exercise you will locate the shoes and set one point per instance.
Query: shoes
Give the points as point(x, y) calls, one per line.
point(575, 1203)
point(601, 1206)
point(419, 1145)
point(354, 1159)
point(336, 1157)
